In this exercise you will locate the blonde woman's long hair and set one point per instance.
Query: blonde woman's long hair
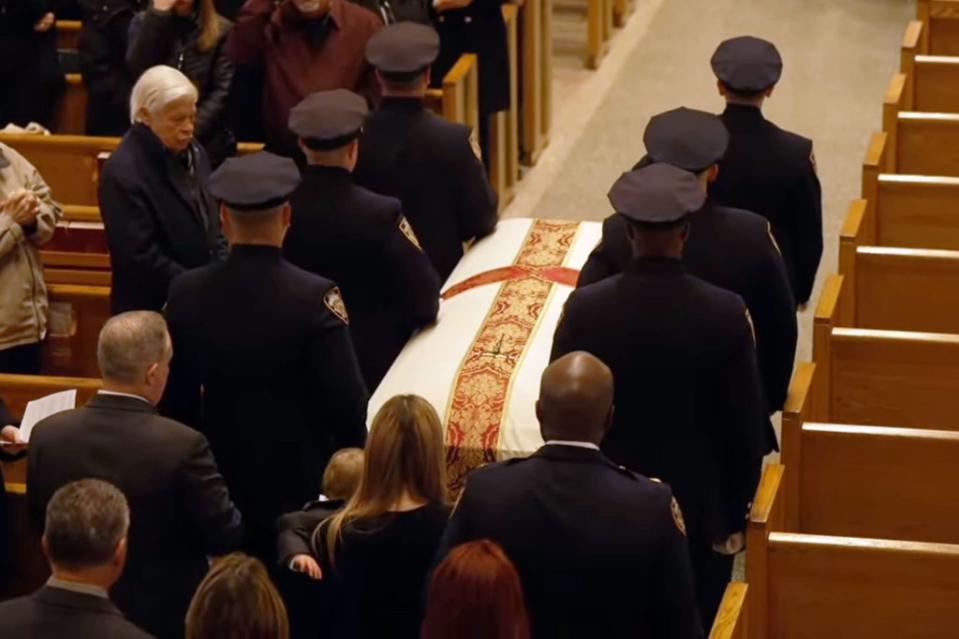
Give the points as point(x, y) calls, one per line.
point(404, 452)
point(210, 28)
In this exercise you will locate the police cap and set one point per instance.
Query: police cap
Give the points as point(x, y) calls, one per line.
point(657, 196)
point(255, 182)
point(747, 64)
point(403, 50)
point(328, 119)
point(686, 138)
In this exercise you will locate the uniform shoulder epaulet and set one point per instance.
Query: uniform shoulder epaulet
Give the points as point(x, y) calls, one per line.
point(408, 233)
point(333, 300)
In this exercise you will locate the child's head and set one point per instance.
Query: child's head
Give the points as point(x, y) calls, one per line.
point(342, 474)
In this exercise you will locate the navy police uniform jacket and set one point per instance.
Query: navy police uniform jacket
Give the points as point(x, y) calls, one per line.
point(689, 404)
point(428, 163)
point(600, 551)
point(772, 172)
point(281, 387)
point(734, 250)
point(361, 241)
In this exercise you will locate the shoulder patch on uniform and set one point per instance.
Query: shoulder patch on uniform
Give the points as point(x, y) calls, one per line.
point(656, 480)
point(407, 230)
point(334, 301)
point(475, 145)
point(678, 516)
point(752, 327)
point(772, 238)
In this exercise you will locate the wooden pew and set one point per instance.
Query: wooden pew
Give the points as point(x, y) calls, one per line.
point(68, 34)
point(894, 288)
point(536, 77)
point(814, 586)
point(504, 126)
point(919, 143)
point(881, 377)
point(458, 99)
point(78, 312)
point(942, 19)
point(29, 569)
point(932, 82)
point(70, 164)
point(71, 115)
point(731, 619)
point(910, 211)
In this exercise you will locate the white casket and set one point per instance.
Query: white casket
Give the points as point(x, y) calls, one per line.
point(481, 363)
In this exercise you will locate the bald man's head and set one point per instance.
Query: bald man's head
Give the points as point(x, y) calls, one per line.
point(576, 399)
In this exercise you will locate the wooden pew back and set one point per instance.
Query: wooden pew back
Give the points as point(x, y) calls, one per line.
point(941, 37)
point(932, 81)
point(732, 617)
point(916, 211)
point(919, 143)
point(882, 482)
point(17, 390)
point(823, 586)
point(78, 313)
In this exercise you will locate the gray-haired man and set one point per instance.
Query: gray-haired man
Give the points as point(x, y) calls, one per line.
point(181, 511)
point(86, 544)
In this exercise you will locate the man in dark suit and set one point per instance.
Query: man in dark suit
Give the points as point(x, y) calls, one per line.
point(85, 541)
point(270, 348)
point(181, 511)
point(11, 448)
point(601, 550)
point(357, 238)
point(766, 169)
point(415, 155)
point(689, 403)
point(731, 248)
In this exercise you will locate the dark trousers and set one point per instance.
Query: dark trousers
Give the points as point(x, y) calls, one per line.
point(712, 572)
point(22, 360)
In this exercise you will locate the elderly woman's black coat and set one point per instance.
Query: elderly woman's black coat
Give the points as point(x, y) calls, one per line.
point(159, 220)
point(164, 38)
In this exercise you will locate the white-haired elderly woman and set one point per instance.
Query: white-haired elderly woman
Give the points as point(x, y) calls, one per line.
point(160, 219)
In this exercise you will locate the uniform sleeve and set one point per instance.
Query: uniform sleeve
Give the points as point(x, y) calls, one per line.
point(415, 283)
point(205, 497)
point(564, 338)
point(131, 232)
point(478, 204)
point(743, 440)
point(458, 529)
point(248, 38)
point(676, 612)
point(335, 369)
point(807, 216)
point(182, 399)
point(776, 329)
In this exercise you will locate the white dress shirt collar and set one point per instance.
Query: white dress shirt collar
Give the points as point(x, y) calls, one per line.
point(119, 394)
point(567, 442)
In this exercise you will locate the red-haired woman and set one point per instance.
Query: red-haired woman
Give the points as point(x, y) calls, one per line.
point(475, 592)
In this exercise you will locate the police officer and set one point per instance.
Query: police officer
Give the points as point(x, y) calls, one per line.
point(601, 550)
point(766, 169)
point(355, 237)
point(268, 344)
point(426, 161)
point(731, 248)
point(689, 404)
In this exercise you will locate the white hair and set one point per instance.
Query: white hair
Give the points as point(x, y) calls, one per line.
point(158, 87)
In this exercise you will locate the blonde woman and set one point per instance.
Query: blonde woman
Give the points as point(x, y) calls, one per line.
point(189, 35)
point(378, 549)
point(237, 600)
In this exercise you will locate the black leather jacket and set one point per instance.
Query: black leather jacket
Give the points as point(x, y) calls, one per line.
point(164, 38)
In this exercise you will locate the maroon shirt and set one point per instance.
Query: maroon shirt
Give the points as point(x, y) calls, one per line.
point(298, 61)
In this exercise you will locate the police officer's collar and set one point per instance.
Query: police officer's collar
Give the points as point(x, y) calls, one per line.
point(743, 110)
point(568, 453)
point(255, 250)
point(657, 264)
point(402, 102)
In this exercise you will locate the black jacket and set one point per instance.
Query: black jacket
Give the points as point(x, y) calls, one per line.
point(5, 551)
point(159, 221)
point(55, 613)
point(356, 238)
point(734, 250)
point(428, 163)
point(281, 387)
point(772, 172)
point(689, 403)
point(102, 47)
point(598, 548)
point(165, 38)
point(180, 509)
point(31, 91)
point(479, 29)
